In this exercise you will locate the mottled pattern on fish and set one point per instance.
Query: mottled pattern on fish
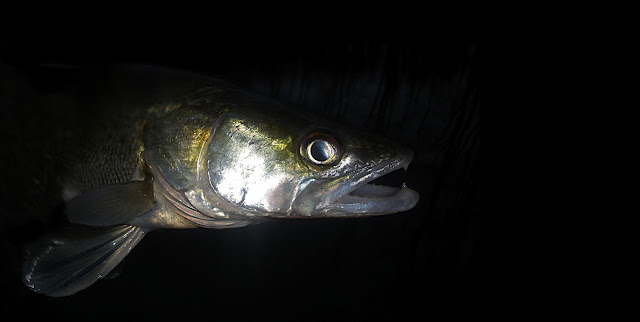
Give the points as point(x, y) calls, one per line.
point(109, 151)
point(109, 156)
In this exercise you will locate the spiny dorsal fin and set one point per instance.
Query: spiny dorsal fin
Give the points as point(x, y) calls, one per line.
point(111, 205)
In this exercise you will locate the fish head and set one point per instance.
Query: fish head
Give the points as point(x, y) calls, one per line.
point(342, 187)
point(239, 157)
point(285, 165)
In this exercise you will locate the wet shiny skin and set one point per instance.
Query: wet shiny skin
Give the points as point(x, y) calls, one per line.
point(252, 165)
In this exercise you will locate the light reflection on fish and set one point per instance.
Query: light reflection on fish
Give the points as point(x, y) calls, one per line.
point(220, 158)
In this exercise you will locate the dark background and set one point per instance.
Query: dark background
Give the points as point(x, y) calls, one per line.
point(422, 94)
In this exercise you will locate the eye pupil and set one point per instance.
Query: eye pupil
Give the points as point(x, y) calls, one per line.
point(321, 151)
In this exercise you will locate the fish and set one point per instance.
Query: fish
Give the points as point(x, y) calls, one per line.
point(219, 157)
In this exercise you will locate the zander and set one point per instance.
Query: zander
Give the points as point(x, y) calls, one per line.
point(219, 158)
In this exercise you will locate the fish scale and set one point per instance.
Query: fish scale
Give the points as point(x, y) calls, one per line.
point(108, 156)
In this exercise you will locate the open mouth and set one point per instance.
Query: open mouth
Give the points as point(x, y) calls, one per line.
point(386, 185)
point(378, 190)
point(381, 190)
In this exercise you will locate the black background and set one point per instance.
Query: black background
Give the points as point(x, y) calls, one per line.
point(424, 95)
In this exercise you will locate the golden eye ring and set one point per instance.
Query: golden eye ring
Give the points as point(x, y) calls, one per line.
point(320, 149)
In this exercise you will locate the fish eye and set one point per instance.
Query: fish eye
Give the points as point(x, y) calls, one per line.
point(320, 149)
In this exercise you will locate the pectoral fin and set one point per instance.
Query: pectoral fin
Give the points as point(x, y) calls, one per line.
point(111, 205)
point(71, 261)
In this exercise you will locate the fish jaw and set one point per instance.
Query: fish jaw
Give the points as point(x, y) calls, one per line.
point(354, 196)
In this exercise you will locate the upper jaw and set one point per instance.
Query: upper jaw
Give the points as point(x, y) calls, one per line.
point(353, 196)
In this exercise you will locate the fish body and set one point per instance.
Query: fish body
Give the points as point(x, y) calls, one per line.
point(218, 158)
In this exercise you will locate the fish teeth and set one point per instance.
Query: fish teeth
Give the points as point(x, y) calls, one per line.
point(405, 167)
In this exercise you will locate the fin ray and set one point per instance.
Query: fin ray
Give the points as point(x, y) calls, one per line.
point(61, 266)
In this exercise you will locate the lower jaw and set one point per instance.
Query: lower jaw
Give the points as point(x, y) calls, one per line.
point(370, 200)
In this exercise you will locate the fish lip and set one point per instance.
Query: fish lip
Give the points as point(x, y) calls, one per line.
point(336, 200)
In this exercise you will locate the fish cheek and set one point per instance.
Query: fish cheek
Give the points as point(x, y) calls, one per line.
point(254, 172)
